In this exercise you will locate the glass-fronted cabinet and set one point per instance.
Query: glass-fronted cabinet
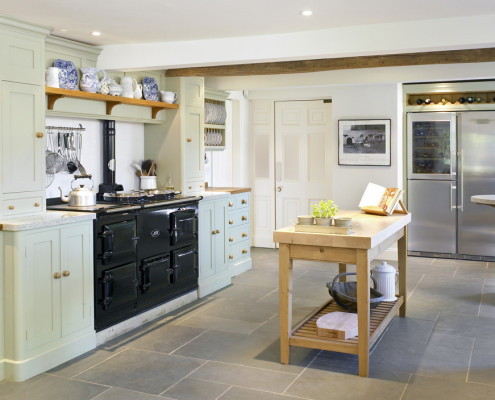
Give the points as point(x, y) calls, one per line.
point(431, 145)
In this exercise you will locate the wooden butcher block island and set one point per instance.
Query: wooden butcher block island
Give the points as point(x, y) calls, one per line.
point(371, 235)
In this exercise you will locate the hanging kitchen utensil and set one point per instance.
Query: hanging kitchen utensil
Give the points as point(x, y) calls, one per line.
point(54, 160)
point(82, 170)
point(71, 166)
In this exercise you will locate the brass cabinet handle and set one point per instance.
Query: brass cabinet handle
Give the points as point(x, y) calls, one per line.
point(244, 218)
point(231, 204)
point(57, 275)
point(244, 251)
point(217, 231)
point(189, 139)
point(243, 201)
point(190, 187)
point(200, 185)
point(65, 273)
point(11, 207)
point(244, 234)
point(231, 239)
point(231, 256)
point(230, 222)
point(39, 135)
point(36, 204)
point(213, 232)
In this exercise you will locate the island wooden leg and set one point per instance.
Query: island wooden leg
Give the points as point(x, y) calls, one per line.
point(363, 308)
point(342, 270)
point(285, 300)
point(402, 265)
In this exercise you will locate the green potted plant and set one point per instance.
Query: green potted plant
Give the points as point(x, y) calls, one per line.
point(324, 211)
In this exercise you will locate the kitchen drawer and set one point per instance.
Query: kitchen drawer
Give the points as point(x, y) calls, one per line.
point(194, 187)
point(238, 251)
point(15, 207)
point(238, 234)
point(240, 217)
point(238, 201)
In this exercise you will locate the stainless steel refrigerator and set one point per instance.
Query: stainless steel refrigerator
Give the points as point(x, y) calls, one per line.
point(451, 157)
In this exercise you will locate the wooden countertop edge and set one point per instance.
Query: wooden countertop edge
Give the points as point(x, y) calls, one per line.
point(231, 190)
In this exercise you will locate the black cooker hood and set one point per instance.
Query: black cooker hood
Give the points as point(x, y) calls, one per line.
point(109, 185)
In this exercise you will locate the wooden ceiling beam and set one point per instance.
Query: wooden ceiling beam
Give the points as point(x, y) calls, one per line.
point(332, 64)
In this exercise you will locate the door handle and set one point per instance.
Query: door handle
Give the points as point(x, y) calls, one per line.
point(452, 188)
point(279, 188)
point(462, 181)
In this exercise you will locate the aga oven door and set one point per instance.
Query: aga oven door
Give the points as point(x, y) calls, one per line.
point(155, 278)
point(183, 227)
point(116, 238)
point(116, 294)
point(185, 269)
point(154, 232)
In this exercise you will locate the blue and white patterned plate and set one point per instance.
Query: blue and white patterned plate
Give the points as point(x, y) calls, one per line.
point(68, 74)
point(150, 89)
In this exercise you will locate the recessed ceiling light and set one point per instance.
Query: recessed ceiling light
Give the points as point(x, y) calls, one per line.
point(96, 33)
point(307, 13)
point(63, 30)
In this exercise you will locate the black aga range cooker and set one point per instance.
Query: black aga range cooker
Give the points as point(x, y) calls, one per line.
point(145, 252)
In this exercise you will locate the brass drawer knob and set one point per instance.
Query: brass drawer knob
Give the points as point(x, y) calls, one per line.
point(213, 232)
point(189, 140)
point(230, 222)
point(231, 256)
point(57, 275)
point(217, 231)
point(39, 135)
point(65, 273)
point(36, 204)
point(231, 239)
point(244, 218)
point(244, 234)
point(200, 186)
point(244, 251)
point(243, 201)
point(11, 207)
point(231, 204)
point(190, 187)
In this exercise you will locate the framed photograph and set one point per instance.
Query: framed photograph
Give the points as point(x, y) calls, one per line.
point(364, 142)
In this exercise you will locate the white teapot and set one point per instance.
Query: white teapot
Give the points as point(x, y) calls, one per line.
point(128, 85)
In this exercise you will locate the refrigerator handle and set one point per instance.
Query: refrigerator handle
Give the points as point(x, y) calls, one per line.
point(453, 155)
point(452, 188)
point(462, 180)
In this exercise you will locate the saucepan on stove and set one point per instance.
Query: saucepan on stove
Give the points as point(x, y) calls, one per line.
point(80, 196)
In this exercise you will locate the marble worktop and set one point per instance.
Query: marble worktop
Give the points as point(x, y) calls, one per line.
point(43, 220)
point(487, 199)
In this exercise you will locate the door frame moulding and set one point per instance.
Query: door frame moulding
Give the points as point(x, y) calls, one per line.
point(341, 63)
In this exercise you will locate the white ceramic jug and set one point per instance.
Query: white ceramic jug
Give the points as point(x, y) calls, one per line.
point(138, 90)
point(127, 83)
point(51, 77)
point(385, 276)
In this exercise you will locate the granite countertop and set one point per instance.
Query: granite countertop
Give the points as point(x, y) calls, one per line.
point(231, 190)
point(48, 218)
point(488, 199)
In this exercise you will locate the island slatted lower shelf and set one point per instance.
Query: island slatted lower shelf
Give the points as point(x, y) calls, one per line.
point(305, 333)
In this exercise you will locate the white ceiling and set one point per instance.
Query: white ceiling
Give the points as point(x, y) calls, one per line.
point(145, 21)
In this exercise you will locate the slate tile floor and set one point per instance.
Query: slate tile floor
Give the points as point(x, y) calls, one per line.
point(226, 347)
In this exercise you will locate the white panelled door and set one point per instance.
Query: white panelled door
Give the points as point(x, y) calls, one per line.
point(302, 157)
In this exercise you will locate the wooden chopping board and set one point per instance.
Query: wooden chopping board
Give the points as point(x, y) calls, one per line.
point(340, 325)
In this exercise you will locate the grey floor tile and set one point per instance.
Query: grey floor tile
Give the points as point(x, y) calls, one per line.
point(271, 328)
point(428, 388)
point(237, 393)
point(83, 362)
point(142, 371)
point(195, 389)
point(161, 337)
point(244, 292)
point(467, 326)
point(124, 394)
point(48, 387)
point(254, 378)
point(482, 367)
point(220, 324)
point(248, 350)
point(323, 385)
point(241, 311)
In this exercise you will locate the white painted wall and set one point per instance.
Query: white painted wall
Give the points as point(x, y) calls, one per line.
point(129, 148)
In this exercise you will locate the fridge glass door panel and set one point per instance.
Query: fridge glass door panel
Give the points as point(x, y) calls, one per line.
point(433, 224)
point(476, 176)
point(431, 144)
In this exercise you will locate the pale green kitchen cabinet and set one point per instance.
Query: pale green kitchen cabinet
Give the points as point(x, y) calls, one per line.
point(22, 141)
point(212, 243)
point(239, 233)
point(48, 297)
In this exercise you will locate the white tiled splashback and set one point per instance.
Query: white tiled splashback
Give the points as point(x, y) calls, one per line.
point(129, 148)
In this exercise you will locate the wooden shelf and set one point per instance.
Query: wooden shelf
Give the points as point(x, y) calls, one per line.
point(305, 334)
point(214, 148)
point(111, 101)
point(213, 126)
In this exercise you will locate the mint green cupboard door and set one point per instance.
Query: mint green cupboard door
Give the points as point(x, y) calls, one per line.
point(77, 278)
point(220, 243)
point(41, 292)
point(206, 239)
point(23, 142)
